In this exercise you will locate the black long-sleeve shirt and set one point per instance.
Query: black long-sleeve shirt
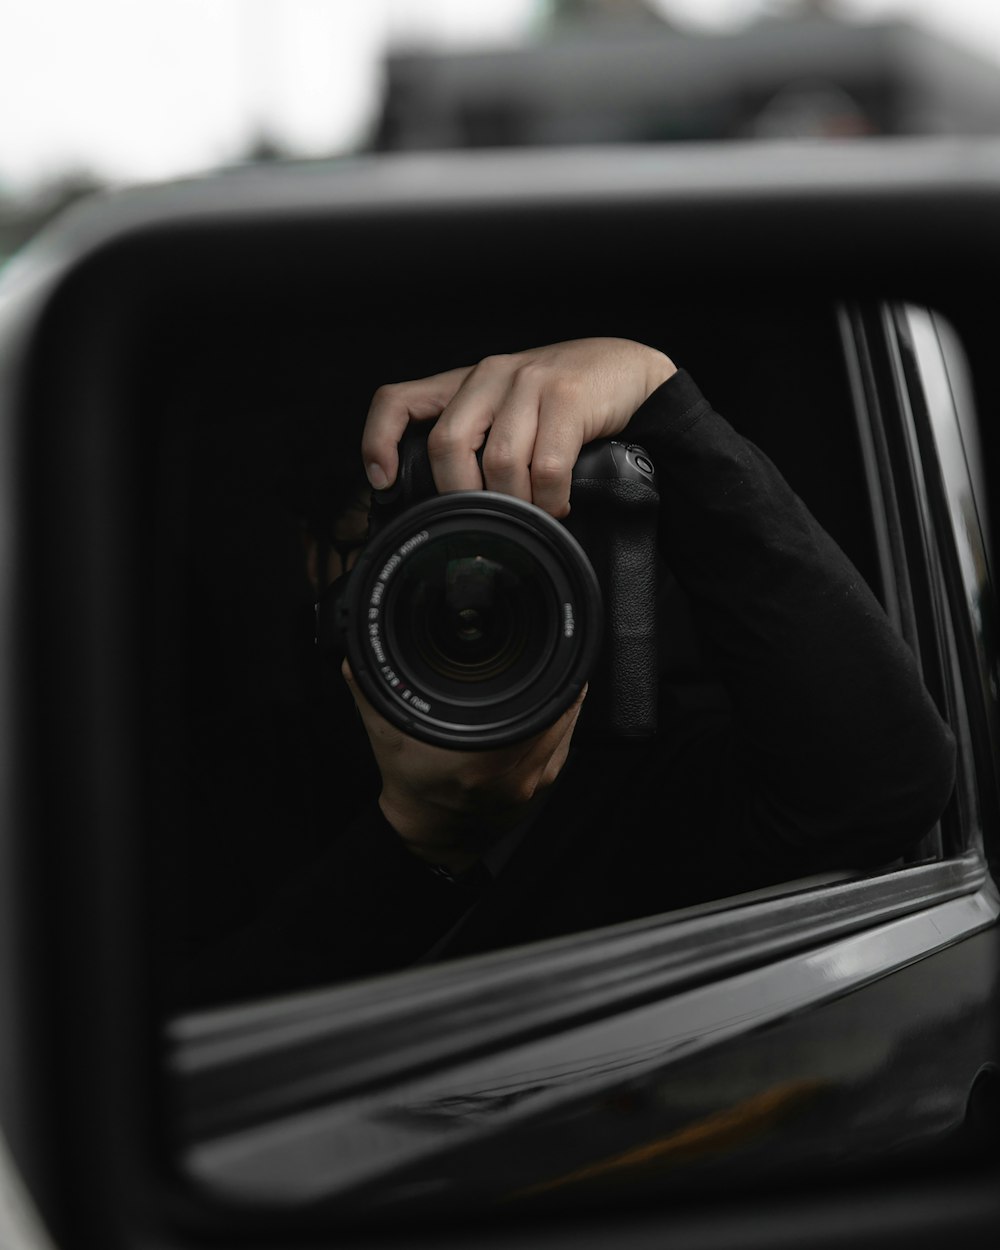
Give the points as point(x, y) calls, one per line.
point(830, 754)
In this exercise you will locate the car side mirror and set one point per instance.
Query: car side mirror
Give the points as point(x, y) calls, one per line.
point(143, 332)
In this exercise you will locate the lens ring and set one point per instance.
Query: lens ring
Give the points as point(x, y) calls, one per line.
point(512, 703)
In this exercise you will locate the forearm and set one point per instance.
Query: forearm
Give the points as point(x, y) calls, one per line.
point(838, 733)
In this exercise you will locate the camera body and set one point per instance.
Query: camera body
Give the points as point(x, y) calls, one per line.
point(473, 619)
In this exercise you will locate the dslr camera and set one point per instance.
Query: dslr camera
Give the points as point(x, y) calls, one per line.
point(473, 620)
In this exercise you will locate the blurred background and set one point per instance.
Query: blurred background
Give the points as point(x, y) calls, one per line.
point(116, 92)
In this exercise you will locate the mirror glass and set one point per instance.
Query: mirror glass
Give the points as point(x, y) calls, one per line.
point(350, 1029)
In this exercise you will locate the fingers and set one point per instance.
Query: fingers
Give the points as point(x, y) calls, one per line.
point(511, 441)
point(465, 423)
point(557, 445)
point(392, 408)
point(528, 416)
point(529, 413)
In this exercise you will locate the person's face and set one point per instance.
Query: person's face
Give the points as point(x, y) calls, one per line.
point(339, 555)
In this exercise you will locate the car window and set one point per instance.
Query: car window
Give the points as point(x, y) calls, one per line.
point(260, 402)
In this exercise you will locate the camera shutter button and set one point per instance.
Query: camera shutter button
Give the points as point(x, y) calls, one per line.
point(642, 462)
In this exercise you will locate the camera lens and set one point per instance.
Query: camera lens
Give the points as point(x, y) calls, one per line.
point(473, 620)
point(476, 616)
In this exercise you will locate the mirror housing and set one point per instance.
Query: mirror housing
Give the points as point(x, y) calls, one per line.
point(81, 1089)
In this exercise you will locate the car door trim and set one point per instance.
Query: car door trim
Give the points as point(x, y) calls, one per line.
point(325, 1146)
point(243, 1065)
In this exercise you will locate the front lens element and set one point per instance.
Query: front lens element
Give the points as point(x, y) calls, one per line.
point(474, 613)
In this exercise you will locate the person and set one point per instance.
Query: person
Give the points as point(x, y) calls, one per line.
point(828, 752)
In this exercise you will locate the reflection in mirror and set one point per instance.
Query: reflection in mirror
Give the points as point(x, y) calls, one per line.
point(752, 715)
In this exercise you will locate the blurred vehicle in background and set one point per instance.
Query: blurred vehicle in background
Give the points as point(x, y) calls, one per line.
point(601, 81)
point(566, 72)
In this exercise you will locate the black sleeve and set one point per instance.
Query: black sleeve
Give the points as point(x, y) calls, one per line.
point(367, 906)
point(840, 757)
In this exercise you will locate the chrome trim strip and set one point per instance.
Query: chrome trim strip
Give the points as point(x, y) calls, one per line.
point(874, 458)
point(951, 492)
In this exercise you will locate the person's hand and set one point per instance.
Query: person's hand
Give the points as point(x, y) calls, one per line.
point(448, 806)
point(534, 410)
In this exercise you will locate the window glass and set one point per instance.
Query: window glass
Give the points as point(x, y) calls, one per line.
point(277, 871)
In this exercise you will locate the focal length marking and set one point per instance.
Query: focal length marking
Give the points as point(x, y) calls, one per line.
point(375, 640)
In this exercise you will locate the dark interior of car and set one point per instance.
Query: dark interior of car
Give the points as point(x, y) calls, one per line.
point(251, 405)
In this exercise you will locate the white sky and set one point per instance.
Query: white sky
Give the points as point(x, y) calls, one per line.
point(146, 89)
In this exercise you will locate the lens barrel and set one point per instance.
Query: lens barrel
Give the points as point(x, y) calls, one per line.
point(473, 620)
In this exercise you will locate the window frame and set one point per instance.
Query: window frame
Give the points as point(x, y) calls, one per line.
point(905, 540)
point(956, 518)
